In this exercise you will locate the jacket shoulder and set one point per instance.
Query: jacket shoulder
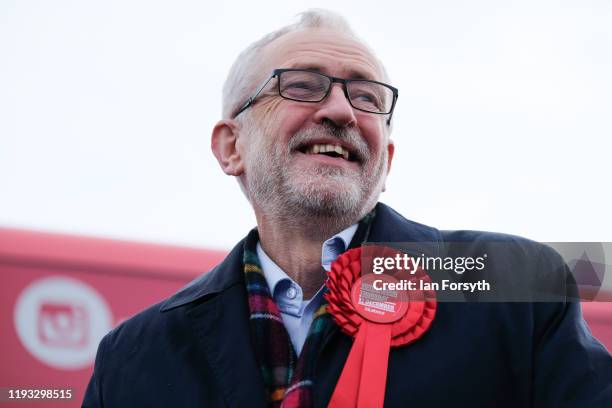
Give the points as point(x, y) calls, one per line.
point(506, 242)
point(138, 332)
point(391, 226)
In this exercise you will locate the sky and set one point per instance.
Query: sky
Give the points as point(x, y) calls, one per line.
point(503, 122)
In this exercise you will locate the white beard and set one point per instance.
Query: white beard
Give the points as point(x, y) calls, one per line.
point(326, 199)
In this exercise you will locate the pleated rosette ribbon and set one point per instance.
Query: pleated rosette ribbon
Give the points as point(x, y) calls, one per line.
point(377, 319)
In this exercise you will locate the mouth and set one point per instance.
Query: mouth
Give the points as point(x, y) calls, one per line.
point(333, 150)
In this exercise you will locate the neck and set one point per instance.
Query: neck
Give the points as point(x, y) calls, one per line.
point(294, 244)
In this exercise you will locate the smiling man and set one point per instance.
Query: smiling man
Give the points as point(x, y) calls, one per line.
point(310, 145)
point(306, 129)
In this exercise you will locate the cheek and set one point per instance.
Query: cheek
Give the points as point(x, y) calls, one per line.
point(374, 134)
point(288, 119)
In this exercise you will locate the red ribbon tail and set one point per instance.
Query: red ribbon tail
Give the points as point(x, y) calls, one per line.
point(374, 367)
point(345, 394)
point(364, 376)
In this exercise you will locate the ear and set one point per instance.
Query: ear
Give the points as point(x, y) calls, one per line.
point(225, 147)
point(390, 150)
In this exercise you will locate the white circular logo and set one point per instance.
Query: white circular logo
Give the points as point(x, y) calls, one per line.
point(60, 321)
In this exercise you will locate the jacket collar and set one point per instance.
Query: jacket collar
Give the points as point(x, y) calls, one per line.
point(390, 226)
point(223, 276)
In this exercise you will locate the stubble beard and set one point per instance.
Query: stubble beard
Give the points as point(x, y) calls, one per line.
point(320, 200)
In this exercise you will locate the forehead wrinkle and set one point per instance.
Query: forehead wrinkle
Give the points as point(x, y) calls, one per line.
point(322, 52)
point(351, 70)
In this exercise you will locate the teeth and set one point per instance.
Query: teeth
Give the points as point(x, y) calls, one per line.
point(325, 148)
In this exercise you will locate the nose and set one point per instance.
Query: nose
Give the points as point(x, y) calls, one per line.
point(336, 108)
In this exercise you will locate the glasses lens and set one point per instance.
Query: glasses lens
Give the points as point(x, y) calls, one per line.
point(370, 96)
point(303, 86)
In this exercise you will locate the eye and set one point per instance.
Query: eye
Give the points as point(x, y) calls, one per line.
point(303, 86)
point(370, 96)
point(299, 85)
point(297, 90)
point(366, 99)
point(300, 82)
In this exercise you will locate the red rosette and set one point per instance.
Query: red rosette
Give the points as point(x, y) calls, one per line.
point(395, 320)
point(346, 270)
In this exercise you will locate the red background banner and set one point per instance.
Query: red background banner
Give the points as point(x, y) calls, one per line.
point(61, 293)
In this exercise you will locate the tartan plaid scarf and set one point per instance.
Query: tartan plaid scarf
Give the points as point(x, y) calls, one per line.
point(288, 379)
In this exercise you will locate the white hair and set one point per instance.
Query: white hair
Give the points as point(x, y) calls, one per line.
point(243, 79)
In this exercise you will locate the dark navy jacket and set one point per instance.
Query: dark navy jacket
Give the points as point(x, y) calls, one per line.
point(194, 349)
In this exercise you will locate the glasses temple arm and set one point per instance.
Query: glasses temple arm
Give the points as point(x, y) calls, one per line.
point(392, 109)
point(251, 100)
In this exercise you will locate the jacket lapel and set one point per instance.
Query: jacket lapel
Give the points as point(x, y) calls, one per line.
point(216, 307)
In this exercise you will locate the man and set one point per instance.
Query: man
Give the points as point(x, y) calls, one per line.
point(306, 128)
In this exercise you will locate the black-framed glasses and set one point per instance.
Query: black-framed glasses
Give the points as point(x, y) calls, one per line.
point(304, 85)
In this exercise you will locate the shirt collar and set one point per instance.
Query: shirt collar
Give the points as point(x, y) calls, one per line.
point(336, 245)
point(330, 250)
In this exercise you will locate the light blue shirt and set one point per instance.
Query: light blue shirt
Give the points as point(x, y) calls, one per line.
point(297, 313)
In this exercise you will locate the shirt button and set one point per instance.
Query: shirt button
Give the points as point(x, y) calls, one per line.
point(291, 293)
